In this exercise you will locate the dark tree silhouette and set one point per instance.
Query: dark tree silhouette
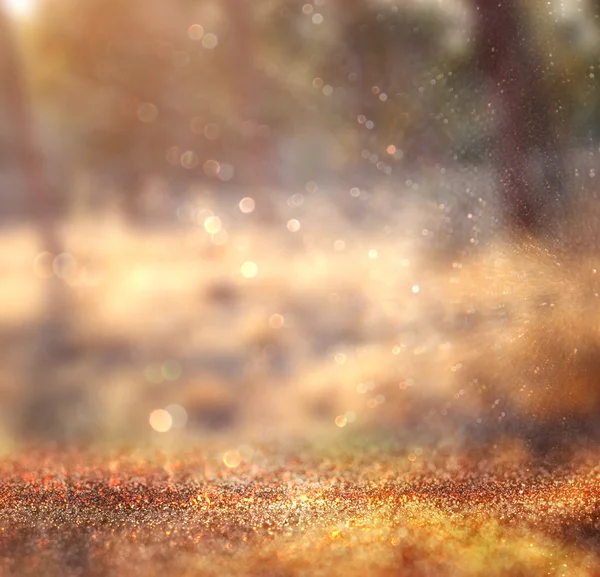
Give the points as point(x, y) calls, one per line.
point(526, 115)
point(37, 418)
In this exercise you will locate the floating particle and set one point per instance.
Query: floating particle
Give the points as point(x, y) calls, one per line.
point(295, 200)
point(189, 159)
point(210, 41)
point(415, 289)
point(212, 131)
point(212, 224)
point(276, 321)
point(195, 32)
point(160, 420)
point(65, 266)
point(373, 254)
point(178, 415)
point(247, 205)
point(147, 112)
point(311, 187)
point(341, 421)
point(232, 459)
point(249, 269)
point(293, 225)
point(226, 172)
point(211, 168)
point(42, 265)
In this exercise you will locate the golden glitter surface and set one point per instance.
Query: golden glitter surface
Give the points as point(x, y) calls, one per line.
point(255, 512)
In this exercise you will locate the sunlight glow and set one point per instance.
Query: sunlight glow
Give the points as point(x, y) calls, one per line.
point(20, 8)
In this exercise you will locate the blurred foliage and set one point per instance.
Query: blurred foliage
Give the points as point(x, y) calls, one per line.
point(283, 90)
point(153, 97)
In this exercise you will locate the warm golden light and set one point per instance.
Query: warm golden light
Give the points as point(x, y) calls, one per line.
point(20, 8)
point(160, 420)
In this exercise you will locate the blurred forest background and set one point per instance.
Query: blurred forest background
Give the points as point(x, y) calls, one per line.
point(232, 199)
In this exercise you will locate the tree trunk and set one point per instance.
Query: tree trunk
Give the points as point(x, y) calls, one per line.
point(526, 116)
point(38, 416)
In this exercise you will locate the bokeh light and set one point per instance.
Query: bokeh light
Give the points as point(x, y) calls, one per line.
point(249, 225)
point(147, 112)
point(293, 225)
point(249, 269)
point(232, 459)
point(247, 205)
point(178, 414)
point(210, 41)
point(160, 420)
point(65, 266)
point(276, 321)
point(43, 265)
point(213, 224)
point(211, 168)
point(21, 8)
point(195, 32)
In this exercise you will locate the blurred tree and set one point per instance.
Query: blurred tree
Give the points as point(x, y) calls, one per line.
point(135, 80)
point(38, 416)
point(136, 88)
point(526, 113)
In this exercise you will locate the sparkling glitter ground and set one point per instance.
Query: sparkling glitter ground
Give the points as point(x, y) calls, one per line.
point(307, 513)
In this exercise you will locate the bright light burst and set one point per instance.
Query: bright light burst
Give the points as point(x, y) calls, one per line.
point(20, 8)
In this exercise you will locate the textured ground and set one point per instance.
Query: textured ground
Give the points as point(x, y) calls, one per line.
point(336, 334)
point(305, 513)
